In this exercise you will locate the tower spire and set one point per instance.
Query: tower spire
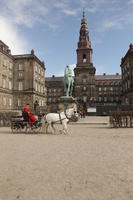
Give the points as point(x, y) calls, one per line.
point(83, 21)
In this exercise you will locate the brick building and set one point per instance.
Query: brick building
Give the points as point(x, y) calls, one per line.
point(22, 80)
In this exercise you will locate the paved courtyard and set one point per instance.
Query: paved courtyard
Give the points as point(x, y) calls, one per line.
point(92, 162)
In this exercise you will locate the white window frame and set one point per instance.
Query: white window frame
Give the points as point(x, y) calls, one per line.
point(20, 66)
point(20, 74)
point(20, 85)
point(10, 101)
point(10, 85)
point(19, 102)
point(3, 82)
point(10, 65)
point(99, 89)
point(4, 101)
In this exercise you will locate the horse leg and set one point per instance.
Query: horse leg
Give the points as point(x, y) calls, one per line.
point(65, 130)
point(53, 127)
point(47, 125)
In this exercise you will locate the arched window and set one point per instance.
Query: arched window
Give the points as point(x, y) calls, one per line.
point(84, 58)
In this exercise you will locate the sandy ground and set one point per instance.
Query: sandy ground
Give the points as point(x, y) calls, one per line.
point(93, 162)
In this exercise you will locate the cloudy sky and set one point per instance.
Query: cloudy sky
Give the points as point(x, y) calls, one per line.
point(51, 28)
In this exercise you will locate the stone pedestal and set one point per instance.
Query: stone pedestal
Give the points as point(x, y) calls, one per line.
point(67, 102)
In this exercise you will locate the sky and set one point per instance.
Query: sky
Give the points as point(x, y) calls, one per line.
point(51, 28)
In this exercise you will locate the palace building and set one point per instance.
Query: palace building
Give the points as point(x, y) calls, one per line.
point(90, 90)
point(22, 80)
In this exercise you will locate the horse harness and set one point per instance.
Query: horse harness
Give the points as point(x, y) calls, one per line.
point(66, 117)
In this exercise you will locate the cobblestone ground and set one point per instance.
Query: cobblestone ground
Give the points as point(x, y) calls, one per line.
point(92, 162)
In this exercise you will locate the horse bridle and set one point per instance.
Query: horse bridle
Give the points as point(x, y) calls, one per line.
point(69, 118)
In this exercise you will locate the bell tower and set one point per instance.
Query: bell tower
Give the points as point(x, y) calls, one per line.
point(84, 70)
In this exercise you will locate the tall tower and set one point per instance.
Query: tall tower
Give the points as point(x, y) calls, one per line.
point(84, 70)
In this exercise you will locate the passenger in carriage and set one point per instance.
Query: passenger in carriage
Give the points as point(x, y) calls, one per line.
point(28, 117)
point(26, 113)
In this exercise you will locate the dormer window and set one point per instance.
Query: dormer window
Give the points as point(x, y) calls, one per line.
point(84, 58)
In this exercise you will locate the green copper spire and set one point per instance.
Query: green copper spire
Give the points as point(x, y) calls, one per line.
point(83, 18)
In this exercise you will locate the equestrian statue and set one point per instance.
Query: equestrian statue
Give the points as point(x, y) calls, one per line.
point(68, 81)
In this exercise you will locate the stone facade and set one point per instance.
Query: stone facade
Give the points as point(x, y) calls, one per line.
point(6, 77)
point(22, 80)
point(127, 76)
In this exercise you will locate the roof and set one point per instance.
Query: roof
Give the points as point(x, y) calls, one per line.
point(53, 78)
point(3, 43)
point(23, 56)
point(107, 77)
point(97, 78)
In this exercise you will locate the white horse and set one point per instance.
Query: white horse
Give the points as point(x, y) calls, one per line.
point(62, 118)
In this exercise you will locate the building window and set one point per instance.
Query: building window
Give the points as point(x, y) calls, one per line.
point(105, 89)
point(112, 99)
point(42, 73)
point(39, 71)
point(10, 101)
point(4, 83)
point(38, 87)
point(4, 101)
point(111, 89)
point(19, 102)
point(128, 84)
point(20, 85)
point(105, 99)
point(42, 103)
point(99, 89)
point(36, 68)
point(10, 65)
point(117, 99)
point(42, 89)
point(84, 88)
point(20, 74)
point(10, 84)
point(84, 58)
point(49, 99)
point(4, 62)
point(10, 73)
point(84, 80)
point(99, 99)
point(20, 66)
point(84, 99)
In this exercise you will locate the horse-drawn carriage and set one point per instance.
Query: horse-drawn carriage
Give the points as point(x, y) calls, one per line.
point(19, 124)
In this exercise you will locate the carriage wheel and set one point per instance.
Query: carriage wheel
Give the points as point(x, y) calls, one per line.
point(27, 128)
point(36, 129)
point(16, 128)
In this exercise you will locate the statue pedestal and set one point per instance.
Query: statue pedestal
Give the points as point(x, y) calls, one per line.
point(67, 102)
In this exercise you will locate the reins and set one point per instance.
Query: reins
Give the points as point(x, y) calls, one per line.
point(60, 119)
